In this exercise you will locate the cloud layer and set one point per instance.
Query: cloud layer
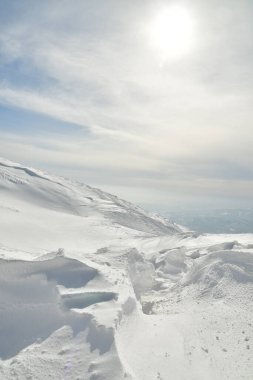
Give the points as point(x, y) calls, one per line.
point(180, 126)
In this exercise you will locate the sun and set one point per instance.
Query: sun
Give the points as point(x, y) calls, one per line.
point(172, 31)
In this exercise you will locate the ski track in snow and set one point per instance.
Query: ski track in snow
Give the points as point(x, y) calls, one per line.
point(94, 288)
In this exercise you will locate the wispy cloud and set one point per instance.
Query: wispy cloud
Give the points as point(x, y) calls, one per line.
point(155, 123)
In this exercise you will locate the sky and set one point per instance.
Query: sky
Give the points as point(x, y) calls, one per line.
point(150, 100)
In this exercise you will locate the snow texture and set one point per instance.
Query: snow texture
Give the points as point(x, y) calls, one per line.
point(95, 288)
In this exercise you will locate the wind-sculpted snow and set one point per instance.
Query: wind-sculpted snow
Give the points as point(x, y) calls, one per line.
point(141, 273)
point(221, 275)
point(82, 300)
point(128, 296)
point(34, 311)
point(199, 310)
point(171, 264)
point(32, 307)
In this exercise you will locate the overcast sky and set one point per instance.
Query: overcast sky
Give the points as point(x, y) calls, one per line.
point(86, 93)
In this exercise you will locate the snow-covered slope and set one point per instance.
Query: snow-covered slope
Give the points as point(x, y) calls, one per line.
point(75, 198)
point(94, 288)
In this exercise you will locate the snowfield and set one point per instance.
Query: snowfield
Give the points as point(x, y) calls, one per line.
point(94, 288)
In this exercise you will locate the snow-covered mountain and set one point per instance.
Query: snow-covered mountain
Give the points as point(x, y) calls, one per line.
point(94, 288)
point(31, 191)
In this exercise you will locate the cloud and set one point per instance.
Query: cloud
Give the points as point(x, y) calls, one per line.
point(178, 125)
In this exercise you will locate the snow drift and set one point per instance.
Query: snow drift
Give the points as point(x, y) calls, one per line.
point(95, 288)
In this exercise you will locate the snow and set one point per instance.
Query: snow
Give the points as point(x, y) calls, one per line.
point(94, 288)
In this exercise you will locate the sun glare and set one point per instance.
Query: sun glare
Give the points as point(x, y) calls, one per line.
point(172, 31)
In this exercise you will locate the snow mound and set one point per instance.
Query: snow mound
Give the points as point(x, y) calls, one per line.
point(218, 273)
point(171, 264)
